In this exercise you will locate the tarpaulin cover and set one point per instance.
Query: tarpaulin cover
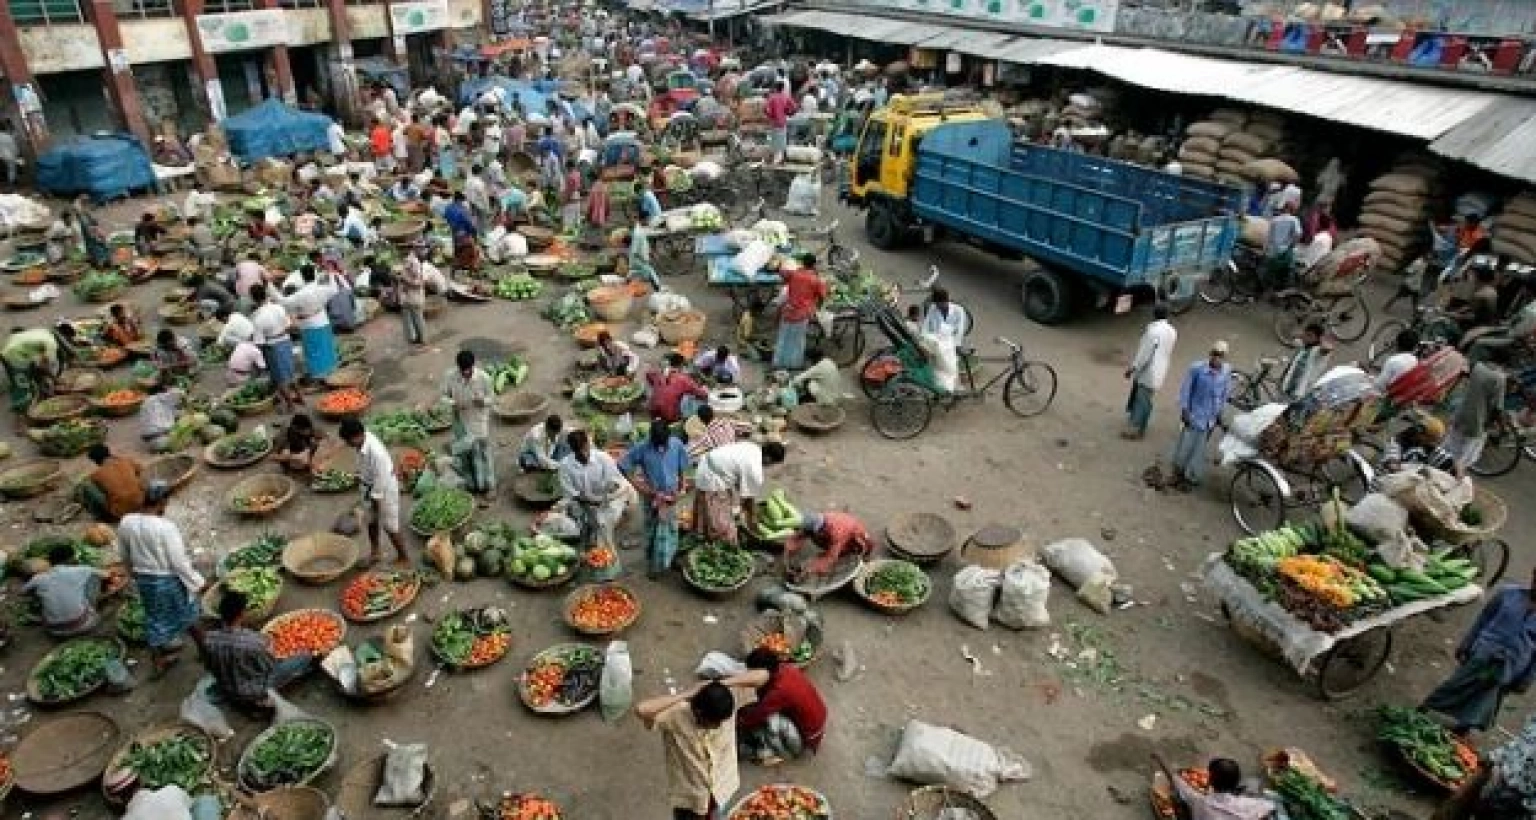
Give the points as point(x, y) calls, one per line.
point(272, 129)
point(380, 69)
point(102, 165)
point(533, 94)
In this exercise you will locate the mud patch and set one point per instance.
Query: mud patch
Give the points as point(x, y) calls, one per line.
point(1108, 355)
point(1211, 689)
point(1133, 752)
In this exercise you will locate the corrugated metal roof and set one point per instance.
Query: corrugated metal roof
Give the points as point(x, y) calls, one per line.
point(888, 31)
point(966, 40)
point(1409, 109)
point(1032, 49)
point(1162, 70)
point(1500, 140)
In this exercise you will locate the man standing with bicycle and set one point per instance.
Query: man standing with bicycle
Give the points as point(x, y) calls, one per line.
point(1147, 371)
point(1481, 405)
point(1201, 397)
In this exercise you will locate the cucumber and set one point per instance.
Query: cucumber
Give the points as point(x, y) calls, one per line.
point(1405, 594)
point(1382, 573)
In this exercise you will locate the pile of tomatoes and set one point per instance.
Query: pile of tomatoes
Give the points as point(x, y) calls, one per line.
point(600, 558)
point(307, 632)
point(605, 609)
point(373, 593)
point(489, 648)
point(527, 807)
point(781, 801)
point(542, 683)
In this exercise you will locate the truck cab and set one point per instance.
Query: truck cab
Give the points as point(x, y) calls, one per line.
point(882, 167)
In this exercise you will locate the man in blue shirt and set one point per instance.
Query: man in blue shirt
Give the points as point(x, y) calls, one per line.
point(649, 205)
point(656, 468)
point(1497, 657)
point(1201, 398)
point(466, 254)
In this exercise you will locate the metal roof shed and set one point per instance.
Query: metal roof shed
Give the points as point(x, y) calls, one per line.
point(1409, 109)
point(1500, 140)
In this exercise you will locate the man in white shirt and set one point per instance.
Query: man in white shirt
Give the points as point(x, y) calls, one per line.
point(1403, 360)
point(337, 137)
point(10, 154)
point(945, 319)
point(467, 389)
point(809, 104)
point(596, 493)
point(380, 489)
point(167, 582)
point(307, 307)
point(543, 446)
point(355, 227)
point(236, 328)
point(478, 195)
point(1147, 370)
point(635, 73)
point(271, 322)
point(729, 476)
point(199, 203)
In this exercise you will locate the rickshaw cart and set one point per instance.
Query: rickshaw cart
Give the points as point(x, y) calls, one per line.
point(1339, 663)
point(745, 290)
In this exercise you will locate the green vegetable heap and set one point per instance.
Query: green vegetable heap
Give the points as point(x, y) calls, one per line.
point(1422, 740)
point(260, 585)
point(901, 581)
point(291, 753)
point(440, 509)
point(717, 566)
point(400, 427)
point(518, 287)
point(75, 668)
point(181, 760)
point(263, 553)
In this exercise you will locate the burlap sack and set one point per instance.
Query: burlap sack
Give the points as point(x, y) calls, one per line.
point(1515, 223)
point(1270, 170)
point(1231, 178)
point(1402, 183)
point(1231, 168)
point(1205, 145)
point(1391, 210)
point(1254, 146)
point(1209, 130)
point(1524, 205)
point(1188, 156)
point(1198, 170)
point(1231, 116)
point(1400, 200)
point(1270, 132)
point(1519, 246)
point(1242, 156)
point(1389, 224)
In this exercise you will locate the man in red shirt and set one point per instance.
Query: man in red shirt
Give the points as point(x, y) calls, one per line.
point(789, 717)
point(382, 144)
point(670, 387)
point(779, 107)
point(834, 533)
point(804, 293)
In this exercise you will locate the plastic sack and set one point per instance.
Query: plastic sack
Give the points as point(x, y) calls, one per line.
point(646, 337)
point(199, 710)
point(933, 755)
point(717, 665)
point(559, 526)
point(165, 803)
point(1077, 561)
point(284, 710)
point(616, 690)
point(804, 197)
point(946, 364)
point(1021, 602)
point(405, 774)
point(973, 593)
point(753, 257)
point(1377, 518)
point(667, 302)
point(440, 553)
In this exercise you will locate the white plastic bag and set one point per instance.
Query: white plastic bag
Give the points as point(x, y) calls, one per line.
point(945, 362)
point(804, 196)
point(646, 337)
point(717, 665)
point(667, 302)
point(753, 257)
point(198, 709)
point(616, 689)
point(284, 710)
point(933, 755)
point(973, 593)
point(165, 803)
point(1077, 561)
point(1021, 603)
point(1377, 518)
point(405, 773)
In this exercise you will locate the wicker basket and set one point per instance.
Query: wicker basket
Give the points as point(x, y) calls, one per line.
point(271, 627)
point(332, 415)
point(712, 593)
point(175, 470)
point(818, 418)
point(353, 375)
point(30, 478)
point(254, 614)
point(211, 455)
point(997, 546)
point(58, 448)
point(120, 409)
point(861, 581)
point(555, 707)
point(930, 802)
point(540, 265)
point(280, 489)
point(330, 761)
point(581, 593)
point(58, 408)
point(403, 232)
point(179, 314)
point(586, 335)
point(1495, 514)
point(614, 407)
point(255, 408)
point(64, 753)
point(738, 812)
point(76, 380)
point(320, 557)
point(34, 691)
point(610, 303)
point(520, 405)
point(289, 803)
point(922, 538)
point(150, 736)
point(769, 623)
point(105, 295)
point(538, 238)
point(678, 326)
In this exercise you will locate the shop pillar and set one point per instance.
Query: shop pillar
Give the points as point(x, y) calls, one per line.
point(281, 72)
point(119, 73)
point(210, 93)
point(343, 75)
point(19, 103)
point(394, 44)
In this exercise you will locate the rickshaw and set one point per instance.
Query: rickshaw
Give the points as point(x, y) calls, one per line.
point(681, 86)
point(904, 405)
point(621, 156)
point(682, 131)
point(629, 118)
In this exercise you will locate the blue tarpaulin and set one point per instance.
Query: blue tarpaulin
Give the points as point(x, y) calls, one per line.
point(533, 94)
point(103, 165)
point(272, 129)
point(377, 69)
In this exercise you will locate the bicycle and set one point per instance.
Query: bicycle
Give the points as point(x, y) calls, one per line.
point(1249, 391)
point(1345, 316)
point(1240, 280)
point(834, 256)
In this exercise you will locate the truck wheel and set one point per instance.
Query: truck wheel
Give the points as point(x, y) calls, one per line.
point(1048, 297)
point(880, 227)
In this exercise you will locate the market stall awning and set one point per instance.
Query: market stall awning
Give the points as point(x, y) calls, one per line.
point(1500, 140)
point(1409, 109)
point(726, 9)
point(864, 27)
point(977, 43)
point(1031, 49)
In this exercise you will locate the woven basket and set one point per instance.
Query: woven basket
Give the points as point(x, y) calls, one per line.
point(58, 448)
point(30, 478)
point(271, 627)
point(929, 803)
point(118, 410)
point(586, 335)
point(332, 415)
point(105, 357)
point(555, 707)
point(712, 593)
point(520, 405)
point(149, 736)
point(254, 614)
point(404, 231)
point(107, 295)
point(678, 326)
point(861, 580)
point(610, 303)
point(922, 538)
point(538, 238)
point(34, 692)
point(289, 803)
point(581, 593)
point(175, 470)
point(58, 408)
point(64, 753)
point(613, 407)
point(77, 380)
point(211, 455)
point(818, 418)
point(353, 375)
point(179, 314)
point(255, 408)
point(240, 768)
point(320, 557)
point(281, 488)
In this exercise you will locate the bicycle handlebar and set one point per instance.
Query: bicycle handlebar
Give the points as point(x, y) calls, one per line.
point(1013, 346)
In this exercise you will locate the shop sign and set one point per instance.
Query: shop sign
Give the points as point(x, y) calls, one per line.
point(243, 30)
point(1081, 15)
point(419, 16)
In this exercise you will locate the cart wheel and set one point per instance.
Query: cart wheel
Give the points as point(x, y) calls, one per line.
point(902, 410)
point(1351, 664)
point(842, 258)
point(1383, 343)
point(1491, 558)
point(1348, 318)
point(1501, 453)
point(846, 342)
point(1031, 389)
point(1217, 288)
point(1292, 315)
point(1342, 472)
point(879, 368)
point(1243, 393)
point(1257, 502)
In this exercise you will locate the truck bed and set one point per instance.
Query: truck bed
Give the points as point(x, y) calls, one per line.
point(1120, 223)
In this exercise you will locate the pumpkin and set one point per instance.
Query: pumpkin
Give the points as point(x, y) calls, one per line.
point(99, 535)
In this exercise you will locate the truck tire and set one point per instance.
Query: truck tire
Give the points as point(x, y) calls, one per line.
point(1048, 297)
point(881, 227)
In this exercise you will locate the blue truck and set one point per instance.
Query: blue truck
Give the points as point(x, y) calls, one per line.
point(1099, 231)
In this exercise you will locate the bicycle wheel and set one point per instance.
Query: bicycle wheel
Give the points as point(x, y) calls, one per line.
point(1348, 318)
point(1501, 452)
point(878, 369)
point(1217, 289)
point(846, 342)
point(1292, 315)
point(842, 258)
point(1243, 393)
point(1350, 665)
point(1343, 473)
point(1030, 390)
point(1383, 343)
point(1258, 505)
point(902, 410)
point(1491, 558)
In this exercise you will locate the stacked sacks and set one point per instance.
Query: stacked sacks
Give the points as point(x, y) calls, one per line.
point(1202, 145)
point(1259, 139)
point(1514, 231)
point(1397, 209)
point(1234, 147)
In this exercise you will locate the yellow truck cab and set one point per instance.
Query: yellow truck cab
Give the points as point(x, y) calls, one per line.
point(882, 165)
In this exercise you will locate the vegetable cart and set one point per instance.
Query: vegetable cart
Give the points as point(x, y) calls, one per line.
point(748, 292)
point(1340, 662)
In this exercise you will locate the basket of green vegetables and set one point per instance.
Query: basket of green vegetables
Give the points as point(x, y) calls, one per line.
point(238, 450)
point(100, 286)
point(441, 509)
point(288, 754)
point(253, 398)
point(892, 586)
point(69, 438)
point(718, 570)
point(261, 587)
point(72, 671)
point(178, 755)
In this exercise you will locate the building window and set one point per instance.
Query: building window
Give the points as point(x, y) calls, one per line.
point(128, 9)
point(46, 12)
point(222, 6)
point(365, 2)
point(301, 4)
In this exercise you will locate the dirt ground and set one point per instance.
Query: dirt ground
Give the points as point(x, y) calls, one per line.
point(1074, 716)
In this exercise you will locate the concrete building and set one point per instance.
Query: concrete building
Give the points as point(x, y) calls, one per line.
point(78, 66)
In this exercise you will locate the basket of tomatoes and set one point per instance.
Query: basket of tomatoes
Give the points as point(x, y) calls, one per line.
point(601, 609)
point(523, 806)
point(345, 403)
point(378, 594)
point(313, 632)
point(781, 801)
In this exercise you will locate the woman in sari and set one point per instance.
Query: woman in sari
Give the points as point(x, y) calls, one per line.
point(96, 248)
